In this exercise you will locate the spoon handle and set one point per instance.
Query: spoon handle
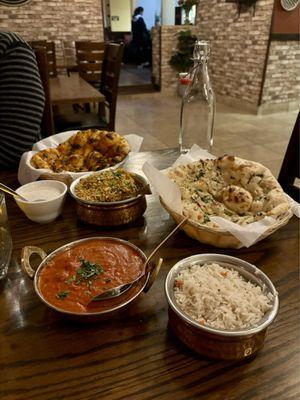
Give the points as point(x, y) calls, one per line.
point(165, 239)
point(152, 272)
point(8, 190)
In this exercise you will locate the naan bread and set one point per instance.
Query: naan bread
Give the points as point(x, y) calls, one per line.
point(89, 150)
point(230, 187)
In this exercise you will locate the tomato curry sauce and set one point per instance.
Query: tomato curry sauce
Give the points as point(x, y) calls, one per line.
point(73, 277)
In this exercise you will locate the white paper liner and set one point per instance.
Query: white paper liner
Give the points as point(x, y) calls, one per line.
point(170, 194)
point(27, 173)
point(166, 188)
point(248, 234)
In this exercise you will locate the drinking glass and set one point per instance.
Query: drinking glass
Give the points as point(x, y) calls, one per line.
point(5, 239)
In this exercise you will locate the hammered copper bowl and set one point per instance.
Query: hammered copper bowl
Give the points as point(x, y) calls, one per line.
point(113, 213)
point(108, 307)
point(219, 343)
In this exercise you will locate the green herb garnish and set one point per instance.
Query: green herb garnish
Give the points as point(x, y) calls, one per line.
point(70, 280)
point(88, 271)
point(206, 199)
point(206, 218)
point(200, 174)
point(117, 173)
point(62, 295)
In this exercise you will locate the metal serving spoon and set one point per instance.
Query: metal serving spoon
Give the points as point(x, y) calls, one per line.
point(117, 291)
point(10, 191)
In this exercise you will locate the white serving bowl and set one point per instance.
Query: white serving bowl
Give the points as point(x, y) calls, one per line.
point(52, 193)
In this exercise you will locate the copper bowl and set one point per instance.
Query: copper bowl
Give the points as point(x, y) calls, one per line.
point(108, 307)
point(113, 213)
point(220, 343)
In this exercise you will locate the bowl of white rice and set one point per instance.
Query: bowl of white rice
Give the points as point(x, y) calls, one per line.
point(220, 306)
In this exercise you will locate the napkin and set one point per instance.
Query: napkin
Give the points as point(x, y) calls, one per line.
point(27, 173)
point(170, 193)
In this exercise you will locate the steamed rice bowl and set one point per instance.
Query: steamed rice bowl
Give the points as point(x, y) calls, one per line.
point(220, 297)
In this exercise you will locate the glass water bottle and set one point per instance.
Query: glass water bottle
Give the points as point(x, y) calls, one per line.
point(198, 103)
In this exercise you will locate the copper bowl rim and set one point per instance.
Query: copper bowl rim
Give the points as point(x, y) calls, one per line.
point(105, 203)
point(249, 271)
point(69, 246)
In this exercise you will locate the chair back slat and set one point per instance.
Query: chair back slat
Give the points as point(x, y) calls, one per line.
point(50, 54)
point(92, 78)
point(47, 124)
point(89, 56)
point(84, 57)
point(110, 78)
point(88, 67)
point(290, 169)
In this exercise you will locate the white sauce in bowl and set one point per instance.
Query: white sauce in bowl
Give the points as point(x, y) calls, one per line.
point(42, 194)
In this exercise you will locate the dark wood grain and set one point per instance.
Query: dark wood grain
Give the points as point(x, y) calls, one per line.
point(134, 355)
point(71, 90)
point(285, 22)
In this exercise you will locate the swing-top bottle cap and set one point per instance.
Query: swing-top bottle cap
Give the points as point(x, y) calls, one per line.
point(201, 50)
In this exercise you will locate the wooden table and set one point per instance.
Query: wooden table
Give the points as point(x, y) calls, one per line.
point(73, 89)
point(135, 356)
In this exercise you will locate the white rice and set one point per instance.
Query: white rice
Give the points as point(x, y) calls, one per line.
point(220, 297)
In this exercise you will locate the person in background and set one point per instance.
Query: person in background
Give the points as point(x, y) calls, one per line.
point(140, 38)
point(21, 99)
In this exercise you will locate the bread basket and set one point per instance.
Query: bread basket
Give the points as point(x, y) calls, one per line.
point(219, 237)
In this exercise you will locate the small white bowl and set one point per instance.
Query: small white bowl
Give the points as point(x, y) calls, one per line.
point(52, 195)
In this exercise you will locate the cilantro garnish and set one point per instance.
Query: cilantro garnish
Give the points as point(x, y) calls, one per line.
point(206, 218)
point(206, 199)
point(62, 295)
point(88, 271)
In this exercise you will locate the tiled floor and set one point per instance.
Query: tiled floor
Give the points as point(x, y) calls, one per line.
point(259, 138)
point(131, 75)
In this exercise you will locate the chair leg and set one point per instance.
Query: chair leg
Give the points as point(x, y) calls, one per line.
point(87, 107)
point(101, 109)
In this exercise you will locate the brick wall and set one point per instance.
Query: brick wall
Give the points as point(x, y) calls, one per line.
point(239, 47)
point(155, 35)
point(62, 21)
point(169, 33)
point(282, 81)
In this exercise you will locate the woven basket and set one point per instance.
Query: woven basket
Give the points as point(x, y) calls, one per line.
point(218, 237)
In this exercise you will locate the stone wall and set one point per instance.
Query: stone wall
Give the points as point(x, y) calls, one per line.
point(62, 21)
point(239, 48)
point(282, 81)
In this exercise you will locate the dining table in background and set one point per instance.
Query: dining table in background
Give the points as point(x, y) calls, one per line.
point(134, 355)
point(69, 68)
point(73, 89)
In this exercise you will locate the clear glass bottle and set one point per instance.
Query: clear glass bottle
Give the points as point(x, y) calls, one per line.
point(198, 103)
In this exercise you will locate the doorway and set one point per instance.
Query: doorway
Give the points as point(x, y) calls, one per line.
point(123, 24)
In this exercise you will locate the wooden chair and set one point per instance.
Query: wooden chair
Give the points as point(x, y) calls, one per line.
point(290, 169)
point(47, 125)
point(110, 80)
point(108, 87)
point(89, 57)
point(50, 53)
